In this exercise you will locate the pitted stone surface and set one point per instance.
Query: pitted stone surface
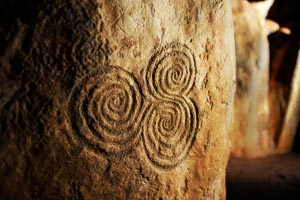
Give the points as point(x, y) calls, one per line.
point(116, 100)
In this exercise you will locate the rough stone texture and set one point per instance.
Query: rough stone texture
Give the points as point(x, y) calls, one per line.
point(116, 100)
point(250, 135)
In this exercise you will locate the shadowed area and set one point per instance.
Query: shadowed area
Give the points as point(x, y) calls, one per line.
point(275, 177)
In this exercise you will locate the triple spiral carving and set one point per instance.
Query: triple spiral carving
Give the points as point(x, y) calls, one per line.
point(109, 113)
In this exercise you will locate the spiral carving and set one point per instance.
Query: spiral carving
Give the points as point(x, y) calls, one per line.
point(169, 131)
point(106, 108)
point(171, 71)
point(109, 113)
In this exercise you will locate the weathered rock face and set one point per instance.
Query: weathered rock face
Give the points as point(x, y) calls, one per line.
point(118, 100)
point(250, 134)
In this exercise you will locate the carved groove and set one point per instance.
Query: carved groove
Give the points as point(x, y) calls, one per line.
point(170, 124)
point(109, 113)
point(171, 71)
point(106, 110)
point(169, 131)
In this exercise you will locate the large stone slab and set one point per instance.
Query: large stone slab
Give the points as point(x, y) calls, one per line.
point(118, 100)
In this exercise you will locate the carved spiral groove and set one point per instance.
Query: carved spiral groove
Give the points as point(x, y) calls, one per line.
point(169, 132)
point(171, 71)
point(106, 110)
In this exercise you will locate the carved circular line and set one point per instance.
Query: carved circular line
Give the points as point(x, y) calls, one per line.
point(171, 71)
point(105, 110)
point(168, 150)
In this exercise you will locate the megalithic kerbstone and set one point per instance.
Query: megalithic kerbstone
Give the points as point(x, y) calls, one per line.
point(121, 100)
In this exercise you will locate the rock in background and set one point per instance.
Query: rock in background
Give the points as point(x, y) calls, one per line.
point(115, 99)
point(284, 85)
point(265, 126)
point(250, 135)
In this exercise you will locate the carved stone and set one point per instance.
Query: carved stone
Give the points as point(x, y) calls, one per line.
point(118, 100)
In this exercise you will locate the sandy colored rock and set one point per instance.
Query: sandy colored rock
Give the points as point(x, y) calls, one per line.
point(291, 118)
point(118, 100)
point(250, 135)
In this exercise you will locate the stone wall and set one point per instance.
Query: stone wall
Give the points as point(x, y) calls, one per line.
point(116, 99)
